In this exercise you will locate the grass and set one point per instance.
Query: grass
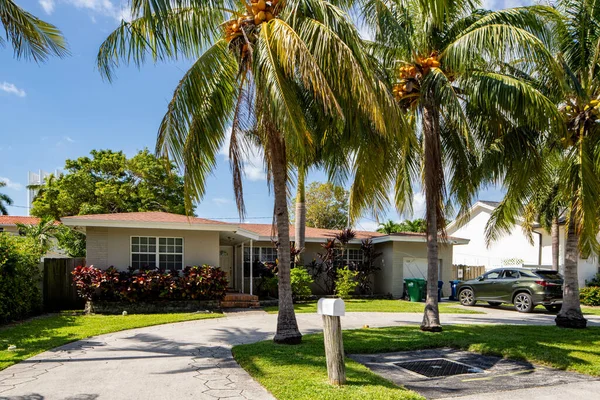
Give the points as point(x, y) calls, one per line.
point(300, 373)
point(358, 305)
point(590, 310)
point(44, 333)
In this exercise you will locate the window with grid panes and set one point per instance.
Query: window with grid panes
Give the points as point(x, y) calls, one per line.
point(146, 253)
point(268, 254)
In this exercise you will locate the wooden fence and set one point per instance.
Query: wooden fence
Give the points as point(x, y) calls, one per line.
point(466, 272)
point(58, 290)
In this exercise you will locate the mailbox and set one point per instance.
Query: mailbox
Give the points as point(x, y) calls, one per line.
point(332, 307)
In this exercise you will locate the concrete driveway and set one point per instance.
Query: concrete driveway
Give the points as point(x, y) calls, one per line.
point(188, 360)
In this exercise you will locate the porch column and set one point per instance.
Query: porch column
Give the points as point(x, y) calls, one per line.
point(251, 264)
point(242, 267)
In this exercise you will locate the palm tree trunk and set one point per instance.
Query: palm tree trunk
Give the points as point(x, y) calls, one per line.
point(300, 223)
point(570, 315)
point(287, 326)
point(433, 188)
point(554, 232)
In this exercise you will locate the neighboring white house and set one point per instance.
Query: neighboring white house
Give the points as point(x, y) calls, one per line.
point(510, 247)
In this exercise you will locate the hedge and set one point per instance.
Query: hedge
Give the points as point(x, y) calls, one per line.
point(590, 296)
point(19, 277)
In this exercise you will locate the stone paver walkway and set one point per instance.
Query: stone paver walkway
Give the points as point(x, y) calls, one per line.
point(188, 360)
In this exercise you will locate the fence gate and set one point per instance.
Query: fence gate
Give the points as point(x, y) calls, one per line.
point(466, 272)
point(59, 292)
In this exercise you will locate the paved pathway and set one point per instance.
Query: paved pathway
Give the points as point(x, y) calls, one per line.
point(188, 360)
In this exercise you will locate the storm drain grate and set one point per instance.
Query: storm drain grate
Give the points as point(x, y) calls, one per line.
point(437, 367)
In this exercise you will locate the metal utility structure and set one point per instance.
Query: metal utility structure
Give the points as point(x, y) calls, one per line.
point(36, 179)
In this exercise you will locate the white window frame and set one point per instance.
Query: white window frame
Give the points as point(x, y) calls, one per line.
point(157, 252)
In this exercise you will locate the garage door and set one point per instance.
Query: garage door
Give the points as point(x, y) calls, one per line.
point(417, 268)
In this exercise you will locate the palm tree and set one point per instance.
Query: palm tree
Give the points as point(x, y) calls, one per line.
point(300, 213)
point(42, 233)
point(447, 62)
point(389, 227)
point(285, 74)
point(4, 200)
point(30, 37)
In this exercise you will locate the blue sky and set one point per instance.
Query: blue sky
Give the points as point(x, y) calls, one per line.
point(63, 109)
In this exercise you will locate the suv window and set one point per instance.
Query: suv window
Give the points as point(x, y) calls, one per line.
point(552, 275)
point(528, 274)
point(511, 274)
point(492, 275)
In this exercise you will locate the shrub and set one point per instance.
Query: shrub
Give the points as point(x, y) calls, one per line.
point(595, 281)
point(19, 277)
point(346, 283)
point(590, 296)
point(301, 281)
point(196, 283)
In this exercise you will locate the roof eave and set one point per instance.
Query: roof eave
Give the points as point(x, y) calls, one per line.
point(149, 225)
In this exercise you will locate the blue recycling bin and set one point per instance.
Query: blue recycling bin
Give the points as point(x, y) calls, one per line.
point(440, 285)
point(453, 285)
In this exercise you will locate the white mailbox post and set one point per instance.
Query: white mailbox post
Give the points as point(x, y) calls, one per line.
point(332, 310)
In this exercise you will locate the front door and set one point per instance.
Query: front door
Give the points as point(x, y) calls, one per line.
point(226, 262)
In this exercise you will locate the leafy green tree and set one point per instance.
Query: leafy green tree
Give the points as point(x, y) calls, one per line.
point(71, 241)
point(417, 225)
point(287, 77)
point(108, 182)
point(29, 36)
point(5, 200)
point(448, 66)
point(326, 206)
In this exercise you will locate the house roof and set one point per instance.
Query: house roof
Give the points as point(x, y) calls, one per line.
point(490, 203)
point(265, 230)
point(14, 219)
point(144, 216)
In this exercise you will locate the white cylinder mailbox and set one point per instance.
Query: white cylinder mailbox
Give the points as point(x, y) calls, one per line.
point(332, 307)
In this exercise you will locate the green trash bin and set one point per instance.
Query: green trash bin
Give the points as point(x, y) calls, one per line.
point(414, 288)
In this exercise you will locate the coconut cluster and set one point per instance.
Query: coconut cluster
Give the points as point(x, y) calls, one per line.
point(411, 74)
point(256, 13)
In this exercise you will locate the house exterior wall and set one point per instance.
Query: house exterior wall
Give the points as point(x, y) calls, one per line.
point(12, 229)
point(512, 245)
point(390, 279)
point(111, 246)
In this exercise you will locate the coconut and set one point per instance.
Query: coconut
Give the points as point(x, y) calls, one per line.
point(262, 5)
point(268, 16)
point(261, 16)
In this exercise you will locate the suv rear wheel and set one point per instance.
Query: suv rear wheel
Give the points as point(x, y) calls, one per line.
point(523, 303)
point(467, 297)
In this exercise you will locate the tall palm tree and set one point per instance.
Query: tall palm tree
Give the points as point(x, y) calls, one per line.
point(29, 36)
point(446, 61)
point(5, 200)
point(286, 73)
point(300, 212)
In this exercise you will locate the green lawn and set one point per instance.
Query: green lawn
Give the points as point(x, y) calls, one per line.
point(358, 305)
point(44, 333)
point(299, 372)
point(590, 310)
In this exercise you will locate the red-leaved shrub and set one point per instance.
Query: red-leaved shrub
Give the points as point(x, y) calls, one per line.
point(196, 283)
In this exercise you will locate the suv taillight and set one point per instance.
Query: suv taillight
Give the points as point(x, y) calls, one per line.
point(543, 283)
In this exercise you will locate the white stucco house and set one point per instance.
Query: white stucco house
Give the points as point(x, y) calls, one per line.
point(171, 241)
point(510, 247)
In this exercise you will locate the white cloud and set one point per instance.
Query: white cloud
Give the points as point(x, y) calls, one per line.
point(69, 139)
point(221, 201)
point(100, 7)
point(253, 164)
point(12, 89)
point(10, 184)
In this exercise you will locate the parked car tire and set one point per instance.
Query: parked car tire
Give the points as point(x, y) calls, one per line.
point(467, 297)
point(523, 302)
point(494, 303)
point(554, 308)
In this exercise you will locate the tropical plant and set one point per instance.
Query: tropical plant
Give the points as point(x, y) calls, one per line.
point(29, 36)
point(417, 225)
point(301, 281)
point(367, 268)
point(572, 174)
point(388, 227)
point(43, 232)
point(5, 200)
point(448, 66)
point(71, 241)
point(283, 74)
point(345, 284)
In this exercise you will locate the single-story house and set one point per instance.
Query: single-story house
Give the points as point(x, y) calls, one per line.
point(173, 241)
point(512, 248)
